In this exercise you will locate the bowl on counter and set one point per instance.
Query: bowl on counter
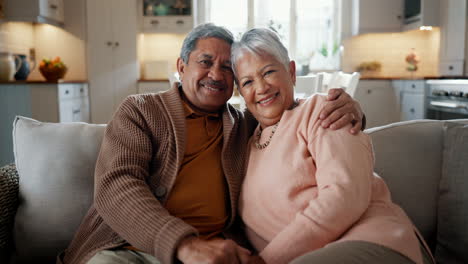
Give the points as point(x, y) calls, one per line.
point(53, 74)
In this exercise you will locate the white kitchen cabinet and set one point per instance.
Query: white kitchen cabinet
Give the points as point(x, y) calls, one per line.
point(371, 16)
point(378, 101)
point(412, 99)
point(41, 11)
point(412, 106)
point(46, 102)
point(452, 37)
point(171, 23)
point(167, 24)
point(63, 102)
point(153, 86)
point(112, 55)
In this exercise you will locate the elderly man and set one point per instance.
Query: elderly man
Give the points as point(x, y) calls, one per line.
point(169, 170)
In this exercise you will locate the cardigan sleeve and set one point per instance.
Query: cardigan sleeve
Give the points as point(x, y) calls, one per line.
point(344, 165)
point(122, 196)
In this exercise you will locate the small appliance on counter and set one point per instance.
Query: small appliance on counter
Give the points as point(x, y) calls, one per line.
point(157, 69)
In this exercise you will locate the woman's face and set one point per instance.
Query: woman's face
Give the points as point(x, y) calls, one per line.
point(266, 85)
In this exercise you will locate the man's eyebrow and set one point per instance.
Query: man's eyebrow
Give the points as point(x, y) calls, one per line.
point(206, 56)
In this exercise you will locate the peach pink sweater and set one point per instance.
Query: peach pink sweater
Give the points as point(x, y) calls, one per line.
point(313, 186)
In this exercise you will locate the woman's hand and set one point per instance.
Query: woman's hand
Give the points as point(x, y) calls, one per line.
point(196, 250)
point(340, 110)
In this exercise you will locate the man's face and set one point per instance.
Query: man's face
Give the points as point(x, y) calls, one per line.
point(207, 78)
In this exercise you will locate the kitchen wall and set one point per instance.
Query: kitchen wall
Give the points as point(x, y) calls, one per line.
point(16, 37)
point(160, 47)
point(51, 41)
point(390, 49)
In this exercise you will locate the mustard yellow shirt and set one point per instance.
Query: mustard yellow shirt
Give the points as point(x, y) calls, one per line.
point(200, 193)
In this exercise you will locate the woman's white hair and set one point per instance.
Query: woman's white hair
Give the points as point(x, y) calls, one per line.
point(259, 41)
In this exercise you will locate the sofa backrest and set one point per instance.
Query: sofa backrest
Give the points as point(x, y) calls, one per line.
point(409, 157)
point(56, 164)
point(56, 167)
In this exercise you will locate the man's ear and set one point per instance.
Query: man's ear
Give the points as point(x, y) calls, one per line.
point(292, 71)
point(180, 67)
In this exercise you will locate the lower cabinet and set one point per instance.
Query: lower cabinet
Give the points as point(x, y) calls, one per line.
point(378, 102)
point(411, 98)
point(46, 102)
point(63, 102)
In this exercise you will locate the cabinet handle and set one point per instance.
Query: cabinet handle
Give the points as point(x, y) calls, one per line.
point(154, 22)
point(53, 6)
point(369, 91)
point(76, 111)
point(179, 22)
point(413, 86)
point(109, 43)
point(399, 17)
point(412, 110)
point(81, 90)
point(116, 44)
point(67, 92)
point(450, 67)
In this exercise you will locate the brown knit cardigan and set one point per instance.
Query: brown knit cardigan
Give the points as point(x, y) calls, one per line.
point(140, 157)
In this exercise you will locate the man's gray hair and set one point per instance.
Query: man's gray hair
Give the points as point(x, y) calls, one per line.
point(260, 41)
point(203, 31)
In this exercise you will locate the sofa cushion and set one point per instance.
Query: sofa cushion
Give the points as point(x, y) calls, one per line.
point(56, 164)
point(452, 226)
point(408, 157)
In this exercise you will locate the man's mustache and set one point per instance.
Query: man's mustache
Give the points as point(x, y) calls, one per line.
point(217, 84)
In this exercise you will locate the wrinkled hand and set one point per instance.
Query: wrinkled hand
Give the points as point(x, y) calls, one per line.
point(340, 110)
point(195, 250)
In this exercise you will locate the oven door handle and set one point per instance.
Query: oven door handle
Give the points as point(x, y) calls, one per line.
point(448, 105)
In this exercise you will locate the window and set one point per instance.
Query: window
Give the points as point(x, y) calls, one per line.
point(309, 29)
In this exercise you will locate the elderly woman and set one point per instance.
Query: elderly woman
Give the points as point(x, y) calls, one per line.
point(308, 189)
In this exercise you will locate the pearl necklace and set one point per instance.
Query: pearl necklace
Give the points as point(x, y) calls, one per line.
point(259, 134)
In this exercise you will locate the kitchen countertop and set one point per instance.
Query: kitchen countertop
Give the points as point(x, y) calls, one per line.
point(415, 78)
point(43, 82)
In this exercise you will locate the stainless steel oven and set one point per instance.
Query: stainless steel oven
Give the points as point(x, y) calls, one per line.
point(447, 99)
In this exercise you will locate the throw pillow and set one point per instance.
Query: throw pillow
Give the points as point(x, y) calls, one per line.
point(452, 226)
point(55, 163)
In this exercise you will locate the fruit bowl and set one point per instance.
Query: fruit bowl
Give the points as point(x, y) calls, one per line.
point(53, 70)
point(53, 74)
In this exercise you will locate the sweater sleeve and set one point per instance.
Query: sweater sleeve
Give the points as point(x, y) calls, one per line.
point(344, 165)
point(122, 196)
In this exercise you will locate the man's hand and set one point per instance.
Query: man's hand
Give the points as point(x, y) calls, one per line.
point(340, 110)
point(256, 260)
point(195, 250)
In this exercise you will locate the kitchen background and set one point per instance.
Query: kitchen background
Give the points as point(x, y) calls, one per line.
point(114, 48)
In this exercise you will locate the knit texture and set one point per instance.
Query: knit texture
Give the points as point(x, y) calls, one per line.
point(141, 153)
point(9, 183)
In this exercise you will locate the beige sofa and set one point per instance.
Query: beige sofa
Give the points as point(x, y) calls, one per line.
point(425, 164)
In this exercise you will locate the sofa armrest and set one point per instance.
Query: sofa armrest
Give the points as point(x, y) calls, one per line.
point(9, 184)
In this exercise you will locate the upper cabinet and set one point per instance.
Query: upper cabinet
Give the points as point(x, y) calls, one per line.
point(371, 16)
point(40, 11)
point(452, 37)
point(166, 16)
point(418, 13)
